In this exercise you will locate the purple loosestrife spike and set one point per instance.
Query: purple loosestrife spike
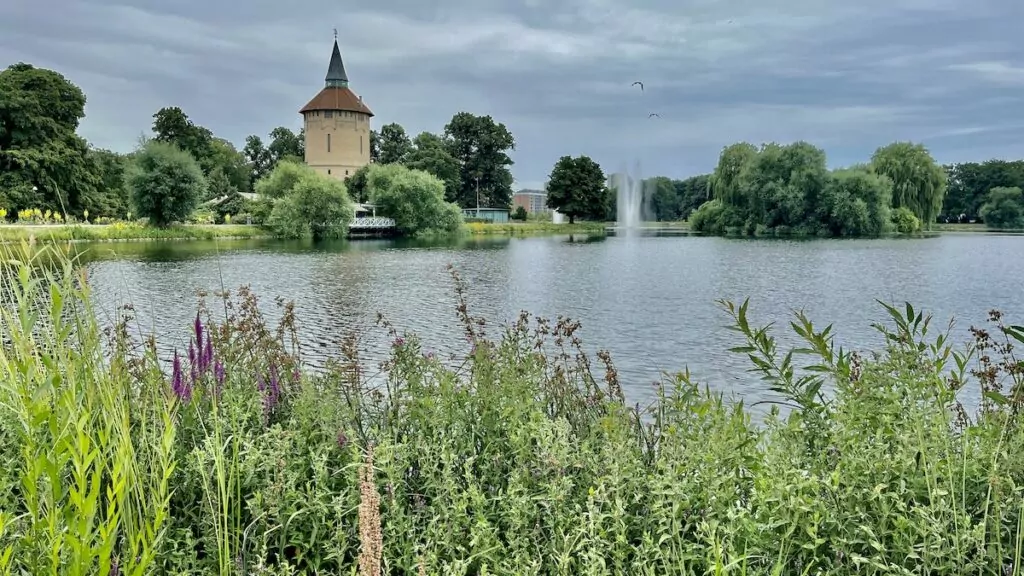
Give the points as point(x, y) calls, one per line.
point(398, 342)
point(207, 357)
point(192, 361)
point(115, 569)
point(199, 331)
point(296, 375)
point(176, 384)
point(218, 373)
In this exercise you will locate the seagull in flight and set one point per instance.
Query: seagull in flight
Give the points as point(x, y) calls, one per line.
point(652, 115)
point(638, 83)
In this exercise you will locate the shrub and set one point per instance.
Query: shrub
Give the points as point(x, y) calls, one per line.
point(166, 183)
point(517, 458)
point(1004, 208)
point(415, 199)
point(904, 220)
point(306, 203)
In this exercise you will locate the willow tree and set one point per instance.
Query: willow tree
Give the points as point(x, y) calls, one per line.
point(919, 183)
point(725, 182)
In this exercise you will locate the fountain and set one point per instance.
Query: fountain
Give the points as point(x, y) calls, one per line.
point(629, 197)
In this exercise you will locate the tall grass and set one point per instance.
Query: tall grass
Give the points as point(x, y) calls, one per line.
point(525, 458)
point(127, 231)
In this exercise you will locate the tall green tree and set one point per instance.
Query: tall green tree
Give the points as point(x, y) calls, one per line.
point(725, 181)
point(1004, 208)
point(481, 146)
point(692, 192)
point(112, 198)
point(374, 146)
point(258, 158)
point(356, 183)
point(919, 183)
point(430, 154)
point(969, 183)
point(173, 126)
point(285, 143)
point(665, 201)
point(166, 183)
point(576, 188)
point(43, 162)
point(394, 144)
point(856, 201)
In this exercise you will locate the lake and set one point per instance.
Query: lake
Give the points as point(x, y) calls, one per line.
point(648, 299)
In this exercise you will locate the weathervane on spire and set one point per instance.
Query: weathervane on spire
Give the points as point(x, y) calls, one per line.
point(335, 33)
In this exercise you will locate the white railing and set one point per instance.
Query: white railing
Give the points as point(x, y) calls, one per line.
point(371, 222)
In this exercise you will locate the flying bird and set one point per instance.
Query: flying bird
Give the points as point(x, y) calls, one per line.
point(652, 115)
point(638, 83)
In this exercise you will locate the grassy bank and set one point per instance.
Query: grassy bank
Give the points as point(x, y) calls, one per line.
point(526, 459)
point(122, 231)
point(533, 228)
point(958, 227)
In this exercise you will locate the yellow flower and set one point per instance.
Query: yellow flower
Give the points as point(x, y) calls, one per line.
point(3, 213)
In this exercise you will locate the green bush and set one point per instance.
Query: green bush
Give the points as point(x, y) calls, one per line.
point(305, 203)
point(1004, 208)
point(166, 183)
point(904, 221)
point(414, 198)
point(234, 460)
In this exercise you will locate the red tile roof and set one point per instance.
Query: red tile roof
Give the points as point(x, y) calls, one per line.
point(336, 98)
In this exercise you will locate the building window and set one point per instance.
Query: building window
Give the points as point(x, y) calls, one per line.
point(360, 144)
point(328, 113)
point(328, 171)
point(346, 172)
point(328, 142)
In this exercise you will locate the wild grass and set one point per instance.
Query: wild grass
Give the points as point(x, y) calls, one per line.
point(126, 231)
point(532, 228)
point(524, 459)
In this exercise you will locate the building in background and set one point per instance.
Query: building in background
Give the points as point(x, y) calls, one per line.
point(337, 125)
point(532, 201)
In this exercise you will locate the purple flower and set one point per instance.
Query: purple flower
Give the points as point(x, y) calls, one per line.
point(207, 357)
point(115, 569)
point(342, 439)
point(398, 342)
point(181, 388)
point(296, 375)
point(198, 326)
point(218, 374)
point(192, 361)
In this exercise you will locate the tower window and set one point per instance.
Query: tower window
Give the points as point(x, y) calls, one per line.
point(328, 142)
point(328, 171)
point(328, 113)
point(360, 144)
point(346, 172)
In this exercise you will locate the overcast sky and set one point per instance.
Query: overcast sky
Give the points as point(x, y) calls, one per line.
point(846, 75)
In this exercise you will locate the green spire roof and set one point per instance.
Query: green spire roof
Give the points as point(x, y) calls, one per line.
point(336, 77)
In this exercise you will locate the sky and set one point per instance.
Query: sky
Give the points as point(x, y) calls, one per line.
point(848, 76)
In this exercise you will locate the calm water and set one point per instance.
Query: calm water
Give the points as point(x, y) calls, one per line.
point(650, 300)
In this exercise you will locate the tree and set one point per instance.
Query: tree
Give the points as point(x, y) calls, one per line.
point(112, 198)
point(306, 203)
point(725, 181)
point(969, 183)
point(692, 192)
point(520, 214)
point(166, 183)
point(356, 184)
point(857, 202)
point(414, 198)
point(1004, 208)
point(283, 179)
point(480, 146)
point(430, 154)
point(374, 146)
point(665, 201)
point(918, 182)
point(173, 126)
point(576, 188)
point(43, 162)
point(285, 144)
point(258, 158)
point(394, 144)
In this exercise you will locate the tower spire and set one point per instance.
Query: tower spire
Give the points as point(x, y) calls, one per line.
point(336, 77)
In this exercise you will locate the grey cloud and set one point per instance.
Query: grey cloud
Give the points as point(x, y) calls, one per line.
point(848, 76)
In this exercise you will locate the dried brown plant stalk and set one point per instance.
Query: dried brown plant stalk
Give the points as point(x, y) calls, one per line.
point(371, 544)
